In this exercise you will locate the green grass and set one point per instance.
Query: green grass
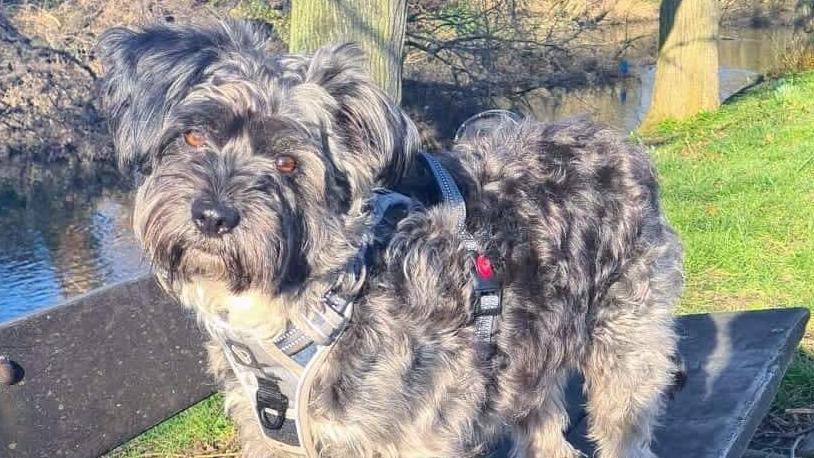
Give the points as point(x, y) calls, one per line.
point(737, 184)
point(201, 430)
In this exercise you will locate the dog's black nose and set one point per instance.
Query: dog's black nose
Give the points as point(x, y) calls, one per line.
point(214, 218)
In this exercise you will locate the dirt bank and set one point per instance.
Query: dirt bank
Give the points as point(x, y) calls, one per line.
point(47, 110)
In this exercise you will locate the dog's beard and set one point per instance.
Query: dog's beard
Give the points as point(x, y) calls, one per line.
point(234, 261)
point(195, 262)
point(256, 254)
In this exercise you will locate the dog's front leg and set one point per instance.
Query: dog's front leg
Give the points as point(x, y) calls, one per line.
point(541, 433)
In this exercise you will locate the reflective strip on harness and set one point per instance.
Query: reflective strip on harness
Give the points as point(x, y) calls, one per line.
point(452, 196)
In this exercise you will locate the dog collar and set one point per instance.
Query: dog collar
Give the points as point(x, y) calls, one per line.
point(278, 381)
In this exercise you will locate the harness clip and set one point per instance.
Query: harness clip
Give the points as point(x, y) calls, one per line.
point(487, 303)
point(272, 404)
point(487, 289)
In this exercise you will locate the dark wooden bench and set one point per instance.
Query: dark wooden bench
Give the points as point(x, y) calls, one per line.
point(102, 368)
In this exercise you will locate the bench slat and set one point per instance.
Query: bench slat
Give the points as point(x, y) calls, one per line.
point(99, 370)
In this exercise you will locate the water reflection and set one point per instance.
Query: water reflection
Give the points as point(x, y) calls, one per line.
point(756, 49)
point(63, 232)
point(744, 54)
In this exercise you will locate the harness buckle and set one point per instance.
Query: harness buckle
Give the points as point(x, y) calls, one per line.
point(271, 403)
point(488, 293)
point(488, 302)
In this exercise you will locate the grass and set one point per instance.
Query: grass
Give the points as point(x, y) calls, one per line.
point(200, 431)
point(737, 184)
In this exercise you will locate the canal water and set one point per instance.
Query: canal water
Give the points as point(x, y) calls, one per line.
point(65, 231)
point(743, 54)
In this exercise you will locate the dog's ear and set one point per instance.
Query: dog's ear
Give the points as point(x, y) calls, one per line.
point(147, 72)
point(376, 131)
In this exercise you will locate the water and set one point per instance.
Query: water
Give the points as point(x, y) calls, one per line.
point(65, 231)
point(744, 54)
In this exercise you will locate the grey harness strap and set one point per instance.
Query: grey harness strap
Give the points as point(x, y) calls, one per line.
point(487, 290)
point(271, 387)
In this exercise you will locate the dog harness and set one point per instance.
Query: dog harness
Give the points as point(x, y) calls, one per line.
point(278, 377)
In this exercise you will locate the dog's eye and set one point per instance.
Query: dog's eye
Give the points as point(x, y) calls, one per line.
point(194, 138)
point(285, 164)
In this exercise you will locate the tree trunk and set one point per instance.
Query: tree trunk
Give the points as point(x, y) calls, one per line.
point(686, 79)
point(377, 25)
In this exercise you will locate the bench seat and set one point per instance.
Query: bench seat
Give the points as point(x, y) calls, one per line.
point(102, 368)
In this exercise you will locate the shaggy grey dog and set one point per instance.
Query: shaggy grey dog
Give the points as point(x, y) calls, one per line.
point(254, 170)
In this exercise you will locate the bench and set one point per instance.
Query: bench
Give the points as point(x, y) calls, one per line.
point(102, 368)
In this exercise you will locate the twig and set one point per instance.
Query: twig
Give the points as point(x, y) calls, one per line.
point(789, 435)
point(792, 453)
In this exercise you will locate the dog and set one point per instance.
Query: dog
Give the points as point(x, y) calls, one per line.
point(255, 172)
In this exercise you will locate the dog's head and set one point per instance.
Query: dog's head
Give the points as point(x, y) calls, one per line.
point(249, 162)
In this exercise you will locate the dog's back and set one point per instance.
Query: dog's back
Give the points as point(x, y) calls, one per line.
point(569, 215)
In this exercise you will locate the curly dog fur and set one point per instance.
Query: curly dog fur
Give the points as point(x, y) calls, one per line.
point(568, 212)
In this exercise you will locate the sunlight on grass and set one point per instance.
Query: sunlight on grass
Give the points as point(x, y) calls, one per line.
point(742, 199)
point(201, 430)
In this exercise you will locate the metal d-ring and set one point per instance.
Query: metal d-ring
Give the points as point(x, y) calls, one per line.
point(485, 122)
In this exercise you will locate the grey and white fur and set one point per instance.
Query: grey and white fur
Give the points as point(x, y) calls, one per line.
point(569, 214)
